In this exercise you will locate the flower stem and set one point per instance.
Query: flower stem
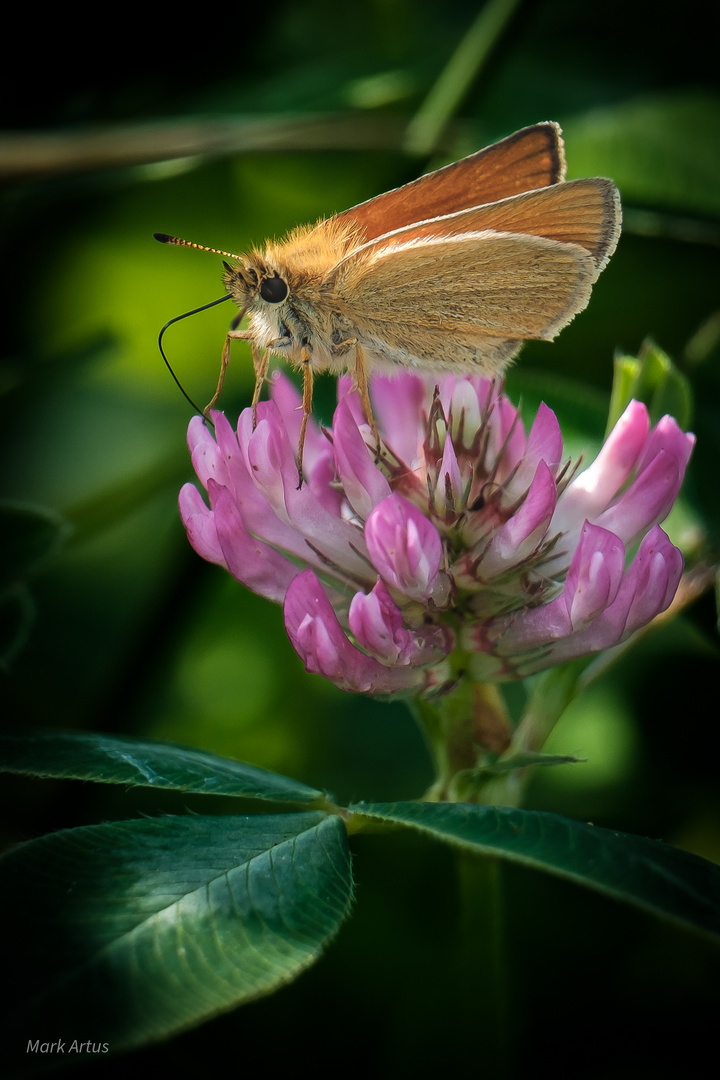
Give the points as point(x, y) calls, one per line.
point(550, 695)
point(483, 974)
point(461, 729)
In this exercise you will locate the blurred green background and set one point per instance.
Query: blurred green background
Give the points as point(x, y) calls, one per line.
point(232, 128)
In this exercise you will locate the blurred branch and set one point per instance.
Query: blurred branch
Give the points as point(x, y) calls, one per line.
point(28, 156)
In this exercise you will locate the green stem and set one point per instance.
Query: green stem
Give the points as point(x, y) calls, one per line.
point(461, 729)
point(550, 695)
point(424, 130)
point(483, 965)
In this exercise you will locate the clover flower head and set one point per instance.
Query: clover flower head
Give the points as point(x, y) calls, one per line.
point(462, 542)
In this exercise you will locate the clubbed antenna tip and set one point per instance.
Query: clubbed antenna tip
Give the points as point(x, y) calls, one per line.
point(166, 238)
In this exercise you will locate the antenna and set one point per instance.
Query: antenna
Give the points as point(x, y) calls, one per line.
point(177, 241)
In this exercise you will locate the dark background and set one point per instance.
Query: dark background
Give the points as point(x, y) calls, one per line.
point(132, 633)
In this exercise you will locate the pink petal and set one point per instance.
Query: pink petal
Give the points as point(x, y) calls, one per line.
point(592, 491)
point(544, 443)
point(653, 578)
point(363, 483)
point(520, 535)
point(508, 441)
point(647, 501)
point(250, 561)
point(668, 436)
point(595, 574)
point(592, 582)
point(200, 524)
point(288, 401)
point(377, 623)
point(404, 546)
point(399, 407)
point(646, 590)
point(321, 643)
point(208, 460)
point(321, 534)
point(449, 479)
point(463, 408)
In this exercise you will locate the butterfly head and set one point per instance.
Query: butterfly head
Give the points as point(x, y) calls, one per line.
point(255, 284)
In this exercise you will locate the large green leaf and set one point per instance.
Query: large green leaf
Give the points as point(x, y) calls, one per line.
point(657, 149)
point(647, 873)
point(125, 933)
point(111, 759)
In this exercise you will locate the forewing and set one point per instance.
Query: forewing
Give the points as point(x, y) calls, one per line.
point(583, 212)
point(531, 158)
point(499, 285)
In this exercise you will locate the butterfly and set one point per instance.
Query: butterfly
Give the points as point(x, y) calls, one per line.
point(448, 274)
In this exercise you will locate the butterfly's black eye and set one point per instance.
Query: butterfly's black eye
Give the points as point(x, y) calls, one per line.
point(274, 290)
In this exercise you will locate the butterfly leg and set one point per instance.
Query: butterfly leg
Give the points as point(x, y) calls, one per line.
point(260, 364)
point(306, 358)
point(224, 361)
point(362, 387)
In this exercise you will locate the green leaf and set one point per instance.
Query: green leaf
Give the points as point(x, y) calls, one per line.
point(656, 149)
point(523, 759)
point(110, 759)
point(648, 873)
point(126, 933)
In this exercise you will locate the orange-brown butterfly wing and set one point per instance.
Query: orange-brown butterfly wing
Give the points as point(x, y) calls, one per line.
point(531, 158)
point(584, 212)
point(430, 295)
